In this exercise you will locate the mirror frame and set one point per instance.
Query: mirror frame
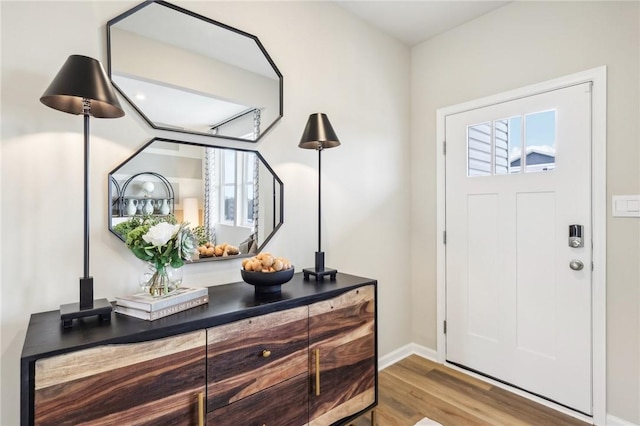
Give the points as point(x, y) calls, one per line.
point(279, 216)
point(210, 21)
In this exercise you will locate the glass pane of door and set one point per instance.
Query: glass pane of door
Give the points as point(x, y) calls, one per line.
point(540, 139)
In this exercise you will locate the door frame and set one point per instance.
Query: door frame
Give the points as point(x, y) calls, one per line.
point(598, 78)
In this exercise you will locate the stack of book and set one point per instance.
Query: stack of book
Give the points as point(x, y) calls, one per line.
point(147, 307)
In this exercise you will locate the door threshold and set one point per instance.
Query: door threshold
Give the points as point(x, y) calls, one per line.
point(539, 399)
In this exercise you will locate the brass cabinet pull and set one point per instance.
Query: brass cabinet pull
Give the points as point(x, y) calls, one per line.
point(317, 351)
point(266, 353)
point(201, 409)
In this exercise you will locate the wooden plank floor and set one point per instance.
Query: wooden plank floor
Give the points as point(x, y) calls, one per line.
point(415, 388)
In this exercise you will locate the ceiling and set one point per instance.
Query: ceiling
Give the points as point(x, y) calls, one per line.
point(413, 22)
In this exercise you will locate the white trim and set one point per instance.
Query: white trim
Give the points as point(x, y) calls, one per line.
point(599, 208)
point(615, 421)
point(403, 352)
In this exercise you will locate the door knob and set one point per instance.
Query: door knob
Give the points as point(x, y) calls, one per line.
point(576, 265)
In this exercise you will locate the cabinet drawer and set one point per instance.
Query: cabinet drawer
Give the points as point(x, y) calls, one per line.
point(248, 356)
point(284, 404)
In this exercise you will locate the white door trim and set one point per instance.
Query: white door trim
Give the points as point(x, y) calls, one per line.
point(598, 76)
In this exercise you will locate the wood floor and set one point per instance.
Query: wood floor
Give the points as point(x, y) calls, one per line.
point(415, 388)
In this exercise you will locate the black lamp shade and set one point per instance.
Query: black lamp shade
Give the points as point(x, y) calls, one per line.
point(82, 78)
point(318, 134)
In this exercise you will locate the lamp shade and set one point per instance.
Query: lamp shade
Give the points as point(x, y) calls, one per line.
point(318, 134)
point(190, 211)
point(83, 78)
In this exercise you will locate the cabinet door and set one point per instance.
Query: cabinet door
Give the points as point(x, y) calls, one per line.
point(248, 356)
point(342, 346)
point(150, 383)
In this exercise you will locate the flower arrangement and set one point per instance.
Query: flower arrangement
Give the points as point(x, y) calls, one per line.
point(163, 244)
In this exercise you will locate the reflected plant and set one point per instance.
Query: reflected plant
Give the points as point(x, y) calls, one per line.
point(123, 228)
point(201, 234)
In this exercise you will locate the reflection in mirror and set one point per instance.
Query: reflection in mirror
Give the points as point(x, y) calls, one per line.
point(232, 195)
point(185, 72)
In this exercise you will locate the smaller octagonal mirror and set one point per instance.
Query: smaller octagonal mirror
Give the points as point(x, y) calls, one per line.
point(187, 73)
point(232, 196)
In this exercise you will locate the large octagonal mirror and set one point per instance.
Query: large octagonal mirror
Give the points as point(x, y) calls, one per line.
point(232, 196)
point(185, 72)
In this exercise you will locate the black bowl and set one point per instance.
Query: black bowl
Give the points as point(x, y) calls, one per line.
point(267, 282)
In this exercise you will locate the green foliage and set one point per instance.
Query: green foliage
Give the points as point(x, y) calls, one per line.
point(180, 247)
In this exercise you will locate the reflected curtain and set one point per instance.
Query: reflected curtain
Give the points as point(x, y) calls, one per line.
point(210, 195)
point(256, 175)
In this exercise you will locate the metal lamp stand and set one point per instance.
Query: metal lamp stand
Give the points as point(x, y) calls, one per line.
point(319, 272)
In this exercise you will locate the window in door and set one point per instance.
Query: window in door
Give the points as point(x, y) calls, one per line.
point(497, 147)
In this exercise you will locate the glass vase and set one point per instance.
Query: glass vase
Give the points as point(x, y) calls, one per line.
point(161, 280)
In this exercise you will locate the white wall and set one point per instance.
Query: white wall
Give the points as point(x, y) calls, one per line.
point(514, 46)
point(353, 73)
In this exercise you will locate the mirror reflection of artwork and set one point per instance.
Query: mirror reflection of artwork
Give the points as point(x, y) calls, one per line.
point(185, 72)
point(232, 196)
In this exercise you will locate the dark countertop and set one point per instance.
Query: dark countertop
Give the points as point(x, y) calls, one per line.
point(230, 302)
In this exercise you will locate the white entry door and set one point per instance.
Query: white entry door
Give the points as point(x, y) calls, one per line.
point(518, 305)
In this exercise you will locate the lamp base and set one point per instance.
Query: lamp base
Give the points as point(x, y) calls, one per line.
point(320, 274)
point(71, 311)
point(320, 271)
point(86, 307)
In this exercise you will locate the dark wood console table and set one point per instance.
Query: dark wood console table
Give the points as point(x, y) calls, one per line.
point(309, 355)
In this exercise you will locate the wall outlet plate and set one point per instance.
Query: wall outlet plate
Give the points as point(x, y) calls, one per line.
point(626, 205)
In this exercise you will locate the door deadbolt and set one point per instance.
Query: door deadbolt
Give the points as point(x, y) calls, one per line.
point(576, 265)
point(575, 236)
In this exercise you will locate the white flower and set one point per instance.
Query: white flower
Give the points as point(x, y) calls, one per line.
point(158, 235)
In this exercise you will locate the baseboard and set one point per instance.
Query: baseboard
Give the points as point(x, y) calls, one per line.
point(432, 355)
point(615, 421)
point(405, 351)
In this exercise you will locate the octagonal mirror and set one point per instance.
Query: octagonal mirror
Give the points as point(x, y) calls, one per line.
point(187, 73)
point(232, 196)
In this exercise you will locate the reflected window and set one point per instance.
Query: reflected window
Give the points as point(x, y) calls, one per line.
point(236, 188)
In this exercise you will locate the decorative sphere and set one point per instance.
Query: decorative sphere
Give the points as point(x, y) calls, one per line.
point(148, 187)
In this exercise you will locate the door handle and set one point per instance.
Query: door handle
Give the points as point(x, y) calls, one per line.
point(317, 351)
point(576, 265)
point(201, 409)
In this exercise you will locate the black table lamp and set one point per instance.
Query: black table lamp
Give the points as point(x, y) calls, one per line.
point(82, 87)
point(319, 135)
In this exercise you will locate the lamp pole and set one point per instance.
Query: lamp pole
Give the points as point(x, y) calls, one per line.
point(319, 254)
point(86, 282)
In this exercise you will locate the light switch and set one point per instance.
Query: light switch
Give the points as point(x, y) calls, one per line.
point(626, 205)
